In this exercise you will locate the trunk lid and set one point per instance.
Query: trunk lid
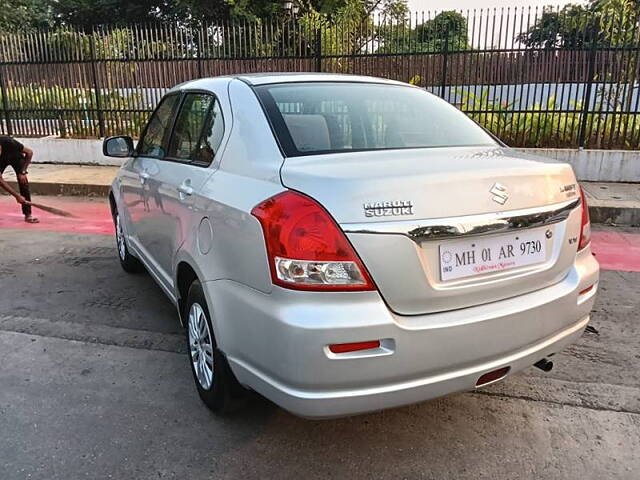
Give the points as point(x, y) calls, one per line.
point(407, 211)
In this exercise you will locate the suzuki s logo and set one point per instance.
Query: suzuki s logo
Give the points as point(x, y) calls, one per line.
point(499, 193)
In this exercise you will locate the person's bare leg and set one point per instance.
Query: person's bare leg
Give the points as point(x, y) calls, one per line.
point(23, 183)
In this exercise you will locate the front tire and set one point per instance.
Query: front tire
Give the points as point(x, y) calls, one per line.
point(216, 384)
point(128, 262)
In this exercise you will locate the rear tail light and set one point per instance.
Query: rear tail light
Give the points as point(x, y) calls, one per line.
point(585, 226)
point(306, 248)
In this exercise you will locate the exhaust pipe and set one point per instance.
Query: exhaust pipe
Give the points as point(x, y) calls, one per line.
point(544, 365)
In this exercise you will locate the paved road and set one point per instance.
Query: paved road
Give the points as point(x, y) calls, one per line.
point(94, 383)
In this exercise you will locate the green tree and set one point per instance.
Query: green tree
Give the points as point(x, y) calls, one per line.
point(361, 9)
point(350, 27)
point(24, 15)
point(565, 28)
point(191, 11)
point(619, 21)
point(605, 22)
point(446, 30)
point(85, 13)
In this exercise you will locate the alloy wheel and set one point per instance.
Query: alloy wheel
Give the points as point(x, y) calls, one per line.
point(122, 246)
point(200, 346)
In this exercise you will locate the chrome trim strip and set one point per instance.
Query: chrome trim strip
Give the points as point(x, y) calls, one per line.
point(484, 224)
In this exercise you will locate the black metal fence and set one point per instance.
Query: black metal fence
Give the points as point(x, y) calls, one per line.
point(535, 78)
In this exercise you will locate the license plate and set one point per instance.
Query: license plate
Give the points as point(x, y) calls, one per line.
point(481, 255)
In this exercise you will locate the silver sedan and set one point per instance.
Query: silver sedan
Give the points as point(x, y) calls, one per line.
point(343, 244)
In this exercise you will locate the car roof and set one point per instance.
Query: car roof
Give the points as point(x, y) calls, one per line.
point(284, 77)
point(291, 77)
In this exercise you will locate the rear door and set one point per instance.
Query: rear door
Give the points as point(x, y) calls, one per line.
point(174, 186)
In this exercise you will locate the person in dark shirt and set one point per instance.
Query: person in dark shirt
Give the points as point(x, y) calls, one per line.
point(18, 156)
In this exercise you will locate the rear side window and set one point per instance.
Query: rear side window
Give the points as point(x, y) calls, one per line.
point(158, 128)
point(185, 141)
point(212, 135)
point(325, 117)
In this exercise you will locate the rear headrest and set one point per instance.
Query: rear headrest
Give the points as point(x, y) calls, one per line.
point(309, 131)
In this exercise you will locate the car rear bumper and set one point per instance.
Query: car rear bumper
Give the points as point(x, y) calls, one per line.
point(277, 344)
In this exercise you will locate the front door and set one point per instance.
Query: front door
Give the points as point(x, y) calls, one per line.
point(174, 186)
point(137, 171)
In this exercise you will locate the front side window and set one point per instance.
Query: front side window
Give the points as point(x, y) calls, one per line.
point(158, 128)
point(326, 117)
point(185, 141)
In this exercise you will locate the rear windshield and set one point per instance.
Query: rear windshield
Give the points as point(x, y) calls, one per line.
point(325, 117)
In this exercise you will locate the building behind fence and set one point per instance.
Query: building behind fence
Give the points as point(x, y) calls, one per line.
point(106, 81)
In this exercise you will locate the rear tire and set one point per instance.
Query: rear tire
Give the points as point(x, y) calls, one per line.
point(128, 262)
point(216, 383)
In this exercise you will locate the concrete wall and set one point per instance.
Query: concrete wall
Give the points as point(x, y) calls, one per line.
point(596, 165)
point(68, 150)
point(592, 165)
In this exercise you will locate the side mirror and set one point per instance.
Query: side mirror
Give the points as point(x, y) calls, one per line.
point(119, 147)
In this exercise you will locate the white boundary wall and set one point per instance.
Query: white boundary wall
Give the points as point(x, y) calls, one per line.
point(591, 165)
point(596, 165)
point(68, 150)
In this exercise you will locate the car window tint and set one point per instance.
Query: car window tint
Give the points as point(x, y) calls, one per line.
point(152, 143)
point(316, 117)
point(189, 126)
point(211, 135)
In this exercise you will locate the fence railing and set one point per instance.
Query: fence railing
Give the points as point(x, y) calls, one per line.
point(574, 87)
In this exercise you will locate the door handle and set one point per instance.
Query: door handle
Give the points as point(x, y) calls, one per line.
point(185, 189)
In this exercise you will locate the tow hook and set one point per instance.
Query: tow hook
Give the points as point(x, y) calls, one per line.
point(545, 365)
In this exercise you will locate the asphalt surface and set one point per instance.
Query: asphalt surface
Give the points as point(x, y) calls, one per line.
point(94, 383)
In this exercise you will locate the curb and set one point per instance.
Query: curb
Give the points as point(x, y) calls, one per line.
point(615, 215)
point(66, 189)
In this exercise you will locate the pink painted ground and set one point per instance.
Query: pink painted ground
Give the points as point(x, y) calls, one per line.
point(92, 216)
point(615, 250)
